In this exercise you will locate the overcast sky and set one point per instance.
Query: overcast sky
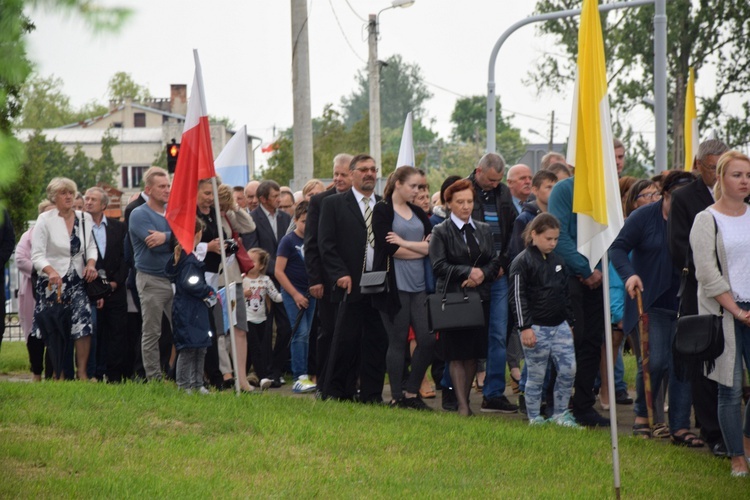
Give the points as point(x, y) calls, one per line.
point(245, 51)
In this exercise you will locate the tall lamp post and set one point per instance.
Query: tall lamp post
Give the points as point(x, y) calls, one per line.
point(373, 67)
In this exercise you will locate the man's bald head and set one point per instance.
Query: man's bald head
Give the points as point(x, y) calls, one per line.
point(251, 196)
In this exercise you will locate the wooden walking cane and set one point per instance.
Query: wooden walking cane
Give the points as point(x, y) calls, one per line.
point(643, 330)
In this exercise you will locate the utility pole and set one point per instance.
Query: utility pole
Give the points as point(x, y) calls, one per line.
point(302, 128)
point(552, 131)
point(373, 69)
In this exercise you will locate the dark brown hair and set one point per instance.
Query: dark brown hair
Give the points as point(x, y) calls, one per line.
point(540, 224)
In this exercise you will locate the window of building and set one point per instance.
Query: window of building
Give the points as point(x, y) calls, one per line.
point(131, 175)
point(139, 120)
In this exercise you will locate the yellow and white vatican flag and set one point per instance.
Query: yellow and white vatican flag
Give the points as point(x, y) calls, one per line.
point(691, 136)
point(596, 193)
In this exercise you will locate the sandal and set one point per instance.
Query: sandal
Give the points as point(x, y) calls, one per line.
point(661, 431)
point(428, 394)
point(642, 431)
point(687, 439)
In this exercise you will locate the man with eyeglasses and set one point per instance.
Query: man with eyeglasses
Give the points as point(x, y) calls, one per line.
point(686, 204)
point(286, 202)
point(346, 245)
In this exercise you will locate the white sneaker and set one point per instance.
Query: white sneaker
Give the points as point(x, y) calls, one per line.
point(203, 390)
point(265, 383)
point(303, 385)
point(538, 420)
point(566, 420)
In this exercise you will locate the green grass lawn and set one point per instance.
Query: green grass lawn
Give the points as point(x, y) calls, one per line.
point(77, 439)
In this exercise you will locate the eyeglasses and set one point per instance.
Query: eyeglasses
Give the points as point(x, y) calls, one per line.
point(649, 196)
point(364, 170)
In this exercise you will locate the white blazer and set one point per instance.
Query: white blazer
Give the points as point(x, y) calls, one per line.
point(50, 243)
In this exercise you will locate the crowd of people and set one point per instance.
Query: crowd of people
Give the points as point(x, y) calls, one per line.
point(509, 245)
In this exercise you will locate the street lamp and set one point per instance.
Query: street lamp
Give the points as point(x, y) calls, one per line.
point(373, 67)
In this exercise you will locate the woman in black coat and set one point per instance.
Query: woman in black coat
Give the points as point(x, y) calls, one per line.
point(462, 252)
point(401, 232)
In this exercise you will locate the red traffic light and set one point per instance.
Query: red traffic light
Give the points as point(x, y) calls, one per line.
point(173, 151)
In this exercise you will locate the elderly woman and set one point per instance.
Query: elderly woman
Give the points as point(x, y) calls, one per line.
point(62, 261)
point(234, 220)
point(26, 300)
point(641, 255)
point(462, 250)
point(720, 242)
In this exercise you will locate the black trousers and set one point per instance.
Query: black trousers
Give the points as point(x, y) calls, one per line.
point(588, 335)
point(281, 354)
point(358, 350)
point(112, 342)
point(327, 322)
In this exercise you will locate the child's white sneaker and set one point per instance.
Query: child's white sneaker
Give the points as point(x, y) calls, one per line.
point(538, 420)
point(566, 420)
point(303, 385)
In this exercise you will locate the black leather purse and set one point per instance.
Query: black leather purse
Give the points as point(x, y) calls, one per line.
point(455, 310)
point(699, 339)
point(375, 281)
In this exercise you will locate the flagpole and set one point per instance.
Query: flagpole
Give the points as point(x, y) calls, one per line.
point(610, 374)
point(217, 211)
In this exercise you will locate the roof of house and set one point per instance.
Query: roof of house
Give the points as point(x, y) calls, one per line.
point(95, 135)
point(89, 121)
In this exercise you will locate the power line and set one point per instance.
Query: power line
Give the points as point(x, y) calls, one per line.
point(355, 12)
point(341, 29)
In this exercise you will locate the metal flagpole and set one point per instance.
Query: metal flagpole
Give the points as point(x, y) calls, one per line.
point(217, 210)
point(610, 374)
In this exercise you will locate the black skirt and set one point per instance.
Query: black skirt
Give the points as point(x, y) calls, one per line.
point(470, 343)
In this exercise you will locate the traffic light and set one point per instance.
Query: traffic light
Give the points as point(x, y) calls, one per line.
point(173, 150)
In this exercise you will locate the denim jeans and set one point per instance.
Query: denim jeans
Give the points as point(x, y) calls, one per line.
point(494, 381)
point(300, 345)
point(661, 332)
point(555, 342)
point(730, 398)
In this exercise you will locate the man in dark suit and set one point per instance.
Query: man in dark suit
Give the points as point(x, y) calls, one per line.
point(686, 204)
point(270, 226)
point(316, 277)
point(111, 338)
point(346, 242)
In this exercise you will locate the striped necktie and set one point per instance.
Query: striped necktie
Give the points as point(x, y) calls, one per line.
point(368, 221)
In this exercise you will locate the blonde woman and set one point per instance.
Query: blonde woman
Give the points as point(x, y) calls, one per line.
point(58, 254)
point(722, 233)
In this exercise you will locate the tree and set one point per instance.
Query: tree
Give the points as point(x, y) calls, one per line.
point(15, 68)
point(122, 86)
point(45, 105)
point(402, 89)
point(105, 167)
point(469, 118)
point(701, 34)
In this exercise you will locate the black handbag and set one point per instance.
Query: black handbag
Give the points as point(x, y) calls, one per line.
point(98, 288)
point(375, 281)
point(699, 339)
point(455, 310)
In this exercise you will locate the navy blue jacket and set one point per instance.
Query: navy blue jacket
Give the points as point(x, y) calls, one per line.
point(645, 234)
point(190, 322)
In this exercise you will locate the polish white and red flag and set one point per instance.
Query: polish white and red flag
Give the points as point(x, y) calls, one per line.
point(195, 162)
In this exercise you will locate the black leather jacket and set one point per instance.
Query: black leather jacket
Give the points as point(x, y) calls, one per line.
point(545, 281)
point(506, 213)
point(450, 254)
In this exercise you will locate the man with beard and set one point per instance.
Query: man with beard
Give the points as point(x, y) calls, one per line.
point(346, 241)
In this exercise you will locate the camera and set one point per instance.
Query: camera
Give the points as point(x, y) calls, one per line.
point(230, 247)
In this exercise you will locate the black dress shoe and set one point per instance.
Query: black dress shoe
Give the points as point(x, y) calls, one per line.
point(623, 398)
point(719, 449)
point(449, 403)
